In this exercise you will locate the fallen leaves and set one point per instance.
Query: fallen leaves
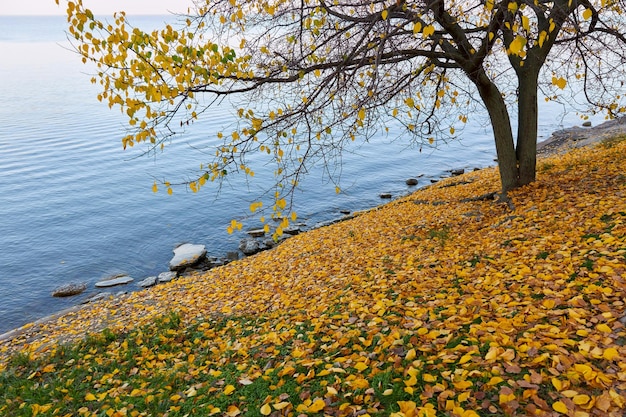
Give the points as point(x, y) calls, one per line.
point(412, 309)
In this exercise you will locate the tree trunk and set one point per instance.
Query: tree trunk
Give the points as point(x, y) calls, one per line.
point(527, 127)
point(503, 134)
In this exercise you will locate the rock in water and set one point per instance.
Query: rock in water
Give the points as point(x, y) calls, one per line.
point(187, 255)
point(148, 282)
point(411, 181)
point(249, 246)
point(166, 276)
point(70, 289)
point(113, 281)
point(256, 232)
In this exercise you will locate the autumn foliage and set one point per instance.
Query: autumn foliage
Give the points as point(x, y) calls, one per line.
point(306, 79)
point(437, 304)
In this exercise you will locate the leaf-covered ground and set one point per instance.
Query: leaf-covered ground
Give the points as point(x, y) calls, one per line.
point(437, 304)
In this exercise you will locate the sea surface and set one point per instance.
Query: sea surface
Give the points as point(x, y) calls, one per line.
point(75, 207)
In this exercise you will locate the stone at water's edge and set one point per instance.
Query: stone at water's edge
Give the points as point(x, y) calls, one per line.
point(148, 282)
point(187, 255)
point(166, 276)
point(118, 280)
point(250, 246)
point(68, 290)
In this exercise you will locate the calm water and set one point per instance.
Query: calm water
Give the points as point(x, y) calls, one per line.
point(75, 207)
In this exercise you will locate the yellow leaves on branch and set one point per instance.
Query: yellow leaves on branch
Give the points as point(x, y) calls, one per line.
point(559, 82)
point(517, 46)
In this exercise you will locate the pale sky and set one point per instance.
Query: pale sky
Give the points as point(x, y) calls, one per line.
point(98, 7)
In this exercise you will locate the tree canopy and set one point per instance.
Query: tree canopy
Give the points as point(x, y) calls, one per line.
point(311, 76)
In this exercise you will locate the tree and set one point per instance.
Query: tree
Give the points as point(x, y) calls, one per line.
point(314, 75)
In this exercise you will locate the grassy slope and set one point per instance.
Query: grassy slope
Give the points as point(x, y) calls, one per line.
point(426, 306)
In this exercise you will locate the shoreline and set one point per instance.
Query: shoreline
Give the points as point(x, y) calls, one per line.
point(31, 333)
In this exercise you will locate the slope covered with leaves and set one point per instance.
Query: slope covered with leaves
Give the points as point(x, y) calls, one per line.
point(437, 304)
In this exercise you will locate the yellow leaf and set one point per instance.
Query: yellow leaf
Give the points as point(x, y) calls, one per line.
point(362, 114)
point(581, 399)
point(266, 410)
point(610, 354)
point(384, 14)
point(559, 82)
point(492, 353)
point(49, 368)
point(417, 28)
point(462, 385)
point(517, 45)
point(560, 407)
point(587, 14)
point(360, 366)
point(468, 356)
point(281, 405)
point(429, 378)
point(603, 328)
point(495, 380)
point(542, 38)
point(410, 355)
point(387, 392)
point(90, 397)
point(228, 389)
point(557, 384)
point(233, 411)
point(318, 405)
point(428, 30)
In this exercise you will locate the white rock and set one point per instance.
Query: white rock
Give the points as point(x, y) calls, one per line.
point(119, 280)
point(186, 255)
point(166, 276)
point(148, 282)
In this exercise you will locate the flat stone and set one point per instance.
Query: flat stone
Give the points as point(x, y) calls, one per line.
point(166, 276)
point(411, 181)
point(70, 289)
point(455, 172)
point(148, 282)
point(118, 280)
point(385, 195)
point(256, 232)
point(291, 230)
point(187, 255)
